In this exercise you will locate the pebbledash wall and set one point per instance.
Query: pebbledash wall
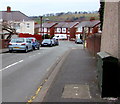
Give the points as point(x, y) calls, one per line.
point(110, 40)
point(119, 31)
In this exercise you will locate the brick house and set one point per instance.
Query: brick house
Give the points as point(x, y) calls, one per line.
point(66, 30)
point(87, 27)
point(63, 30)
point(47, 28)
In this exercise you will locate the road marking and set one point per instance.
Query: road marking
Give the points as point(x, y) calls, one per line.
point(11, 65)
point(32, 56)
point(47, 48)
point(36, 94)
point(39, 53)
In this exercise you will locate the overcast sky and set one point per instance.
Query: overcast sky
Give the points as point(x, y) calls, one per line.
point(40, 7)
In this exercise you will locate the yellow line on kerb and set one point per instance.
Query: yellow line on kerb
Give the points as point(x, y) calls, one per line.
point(33, 97)
point(36, 93)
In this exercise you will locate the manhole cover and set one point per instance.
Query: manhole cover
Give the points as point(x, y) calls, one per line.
point(76, 91)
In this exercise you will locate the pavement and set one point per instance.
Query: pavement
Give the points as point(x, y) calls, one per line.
point(74, 80)
point(4, 50)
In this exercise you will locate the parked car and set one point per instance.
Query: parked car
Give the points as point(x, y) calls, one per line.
point(56, 42)
point(24, 44)
point(78, 41)
point(47, 42)
point(35, 43)
point(53, 42)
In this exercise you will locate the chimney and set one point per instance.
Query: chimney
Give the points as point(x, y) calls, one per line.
point(8, 9)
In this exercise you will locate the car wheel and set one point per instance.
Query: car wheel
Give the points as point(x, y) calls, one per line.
point(33, 48)
point(38, 47)
point(26, 50)
point(10, 51)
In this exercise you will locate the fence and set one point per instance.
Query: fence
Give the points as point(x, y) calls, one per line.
point(94, 43)
point(38, 37)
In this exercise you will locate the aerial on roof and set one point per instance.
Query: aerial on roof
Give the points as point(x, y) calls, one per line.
point(13, 15)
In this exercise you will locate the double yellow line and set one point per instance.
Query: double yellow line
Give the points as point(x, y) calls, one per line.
point(36, 93)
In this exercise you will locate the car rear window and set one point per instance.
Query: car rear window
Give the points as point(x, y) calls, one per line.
point(46, 40)
point(20, 40)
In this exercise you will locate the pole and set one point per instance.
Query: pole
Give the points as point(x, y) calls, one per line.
point(41, 24)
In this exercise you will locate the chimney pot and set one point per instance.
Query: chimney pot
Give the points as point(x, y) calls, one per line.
point(8, 9)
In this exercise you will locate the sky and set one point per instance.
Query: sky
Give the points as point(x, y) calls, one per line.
point(41, 7)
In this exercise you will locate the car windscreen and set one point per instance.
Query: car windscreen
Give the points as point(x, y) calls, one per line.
point(20, 40)
point(78, 40)
point(46, 40)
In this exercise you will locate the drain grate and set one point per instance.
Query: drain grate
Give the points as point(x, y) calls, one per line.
point(76, 91)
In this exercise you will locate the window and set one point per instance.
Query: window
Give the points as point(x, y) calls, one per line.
point(28, 25)
point(17, 25)
point(58, 30)
point(64, 30)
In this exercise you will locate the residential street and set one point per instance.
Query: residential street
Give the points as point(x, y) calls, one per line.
point(22, 73)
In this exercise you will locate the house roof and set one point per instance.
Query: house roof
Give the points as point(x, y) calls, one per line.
point(66, 24)
point(88, 23)
point(58, 25)
point(14, 16)
point(46, 25)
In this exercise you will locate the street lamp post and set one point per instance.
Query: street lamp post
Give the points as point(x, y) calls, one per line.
point(41, 24)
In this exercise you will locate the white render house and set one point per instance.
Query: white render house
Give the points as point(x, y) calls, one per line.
point(18, 20)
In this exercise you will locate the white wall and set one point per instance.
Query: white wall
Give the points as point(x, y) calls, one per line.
point(45, 29)
point(79, 29)
point(25, 27)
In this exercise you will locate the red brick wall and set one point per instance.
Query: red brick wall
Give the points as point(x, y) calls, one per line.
point(4, 43)
point(38, 37)
point(72, 33)
point(94, 43)
point(52, 32)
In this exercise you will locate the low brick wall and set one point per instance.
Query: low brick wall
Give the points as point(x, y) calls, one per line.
point(94, 43)
point(4, 43)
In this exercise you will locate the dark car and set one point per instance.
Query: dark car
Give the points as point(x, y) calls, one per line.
point(78, 41)
point(35, 43)
point(47, 42)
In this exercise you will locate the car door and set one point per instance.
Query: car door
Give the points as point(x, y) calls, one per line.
point(29, 44)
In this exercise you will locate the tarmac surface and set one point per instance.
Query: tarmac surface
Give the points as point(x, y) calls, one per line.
point(4, 50)
point(76, 81)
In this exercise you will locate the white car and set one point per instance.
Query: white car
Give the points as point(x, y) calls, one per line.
point(20, 44)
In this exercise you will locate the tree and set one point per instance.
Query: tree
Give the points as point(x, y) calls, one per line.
point(101, 13)
point(9, 28)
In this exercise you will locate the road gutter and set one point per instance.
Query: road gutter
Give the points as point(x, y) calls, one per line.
point(48, 79)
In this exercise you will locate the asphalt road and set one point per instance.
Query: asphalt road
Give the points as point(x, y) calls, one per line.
point(22, 73)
